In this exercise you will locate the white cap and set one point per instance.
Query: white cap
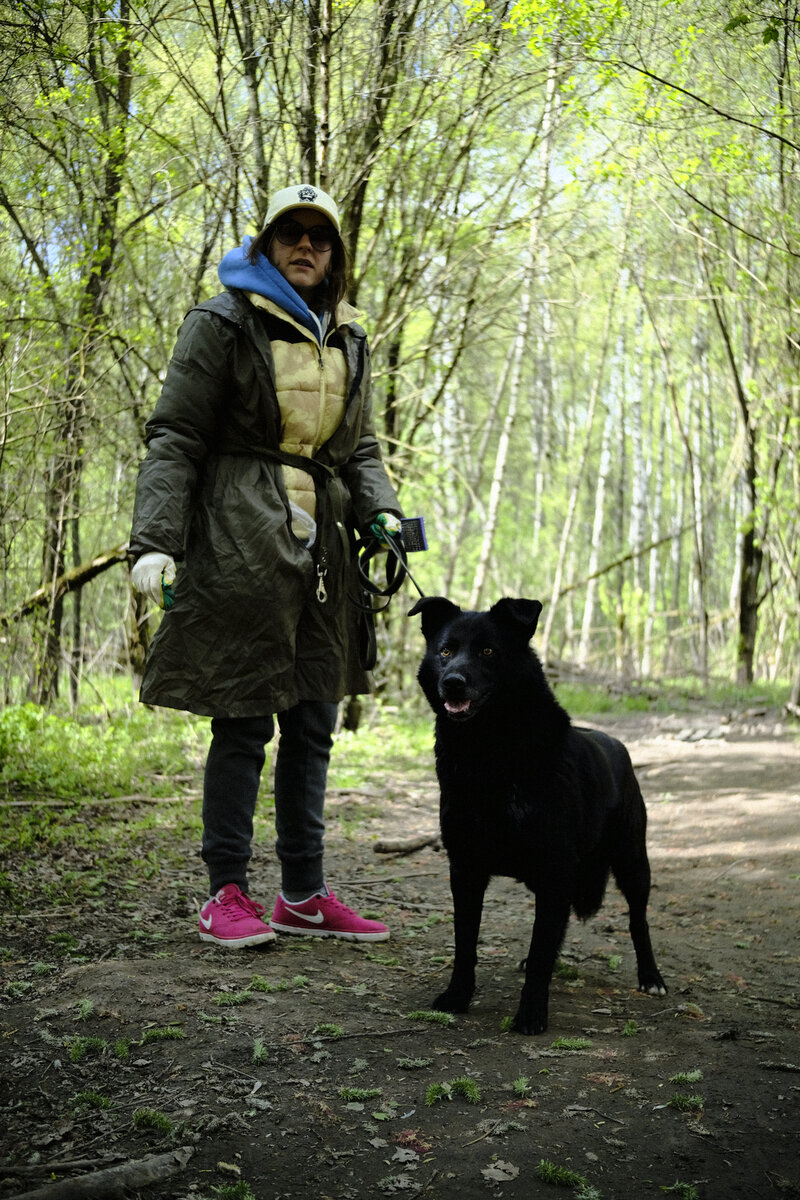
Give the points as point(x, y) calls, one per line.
point(302, 195)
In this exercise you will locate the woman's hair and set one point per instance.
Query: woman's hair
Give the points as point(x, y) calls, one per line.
point(334, 288)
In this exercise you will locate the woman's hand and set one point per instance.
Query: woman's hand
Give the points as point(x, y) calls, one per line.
point(152, 575)
point(385, 523)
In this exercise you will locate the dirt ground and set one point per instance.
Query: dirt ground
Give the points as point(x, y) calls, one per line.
point(299, 1070)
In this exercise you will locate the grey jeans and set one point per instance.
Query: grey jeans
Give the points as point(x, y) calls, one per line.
point(232, 777)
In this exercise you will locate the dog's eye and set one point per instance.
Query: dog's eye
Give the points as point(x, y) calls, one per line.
point(487, 651)
point(445, 651)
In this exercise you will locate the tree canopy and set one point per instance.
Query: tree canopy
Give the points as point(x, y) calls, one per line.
point(575, 241)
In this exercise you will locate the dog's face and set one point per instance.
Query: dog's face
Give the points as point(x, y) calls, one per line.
point(471, 656)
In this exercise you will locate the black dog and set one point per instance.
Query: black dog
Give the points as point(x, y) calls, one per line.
point(524, 793)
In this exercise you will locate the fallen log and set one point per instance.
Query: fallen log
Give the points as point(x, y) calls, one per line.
point(114, 1182)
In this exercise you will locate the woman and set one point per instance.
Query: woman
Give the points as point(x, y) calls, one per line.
point(261, 458)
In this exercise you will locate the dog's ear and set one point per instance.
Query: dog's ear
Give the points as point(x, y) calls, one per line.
point(522, 613)
point(436, 611)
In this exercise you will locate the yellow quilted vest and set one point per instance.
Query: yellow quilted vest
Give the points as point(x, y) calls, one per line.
point(311, 387)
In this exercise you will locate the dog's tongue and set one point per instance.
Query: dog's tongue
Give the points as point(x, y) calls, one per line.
point(456, 706)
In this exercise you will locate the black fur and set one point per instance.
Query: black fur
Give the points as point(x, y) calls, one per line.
point(525, 793)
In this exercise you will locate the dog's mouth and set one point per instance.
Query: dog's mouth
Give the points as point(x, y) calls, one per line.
point(462, 710)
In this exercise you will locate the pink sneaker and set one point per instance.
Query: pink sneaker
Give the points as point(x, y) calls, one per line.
point(325, 916)
point(232, 919)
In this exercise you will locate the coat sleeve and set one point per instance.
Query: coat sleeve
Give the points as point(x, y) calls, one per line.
point(365, 472)
point(179, 436)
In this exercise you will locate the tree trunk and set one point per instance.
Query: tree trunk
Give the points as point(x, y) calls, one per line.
point(66, 464)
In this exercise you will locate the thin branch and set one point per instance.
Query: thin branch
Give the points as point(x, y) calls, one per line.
point(726, 116)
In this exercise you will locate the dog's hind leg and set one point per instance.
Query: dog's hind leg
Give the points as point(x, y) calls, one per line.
point(468, 887)
point(633, 880)
point(549, 927)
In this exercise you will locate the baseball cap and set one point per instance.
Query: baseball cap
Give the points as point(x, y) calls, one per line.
point(302, 195)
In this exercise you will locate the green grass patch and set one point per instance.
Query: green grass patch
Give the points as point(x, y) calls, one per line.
point(152, 1118)
point(433, 1017)
point(550, 1172)
point(357, 1094)
point(388, 744)
point(234, 1191)
point(259, 984)
point(464, 1086)
point(570, 1043)
point(687, 1104)
point(684, 1191)
point(91, 1100)
point(61, 763)
point(682, 1078)
point(233, 999)
point(168, 1033)
point(78, 1047)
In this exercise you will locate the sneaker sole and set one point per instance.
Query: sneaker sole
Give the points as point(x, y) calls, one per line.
point(301, 931)
point(256, 939)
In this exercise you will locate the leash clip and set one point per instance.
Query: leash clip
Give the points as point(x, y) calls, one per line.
point(322, 594)
point(322, 571)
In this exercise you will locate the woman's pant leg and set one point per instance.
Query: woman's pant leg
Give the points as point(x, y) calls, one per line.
point(230, 790)
point(301, 773)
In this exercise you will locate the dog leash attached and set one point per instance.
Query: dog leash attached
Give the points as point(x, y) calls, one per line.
point(396, 568)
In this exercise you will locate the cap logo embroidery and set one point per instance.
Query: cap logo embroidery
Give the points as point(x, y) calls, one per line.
point(308, 194)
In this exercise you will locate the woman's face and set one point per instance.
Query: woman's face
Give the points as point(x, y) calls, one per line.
point(302, 265)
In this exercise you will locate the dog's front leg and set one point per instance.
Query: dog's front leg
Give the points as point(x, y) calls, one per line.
point(552, 915)
point(468, 888)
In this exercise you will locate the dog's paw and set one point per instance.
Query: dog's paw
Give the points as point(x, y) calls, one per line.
point(653, 985)
point(529, 1022)
point(451, 1001)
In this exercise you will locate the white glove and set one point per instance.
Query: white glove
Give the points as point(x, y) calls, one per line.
point(151, 573)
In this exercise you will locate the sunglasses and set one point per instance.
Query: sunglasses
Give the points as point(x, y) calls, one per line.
point(289, 233)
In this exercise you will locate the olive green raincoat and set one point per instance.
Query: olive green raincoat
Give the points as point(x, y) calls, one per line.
point(260, 620)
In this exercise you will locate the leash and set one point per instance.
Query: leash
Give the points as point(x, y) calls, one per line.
point(397, 569)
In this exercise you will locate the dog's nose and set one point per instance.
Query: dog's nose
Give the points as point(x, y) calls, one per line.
point(454, 684)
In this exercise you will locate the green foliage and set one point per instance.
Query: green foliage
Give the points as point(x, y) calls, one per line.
point(684, 1077)
point(85, 1009)
point(260, 1051)
point(630, 1029)
point(683, 1191)
point(549, 1172)
point(329, 1030)
point(688, 1104)
point(234, 1191)
point(463, 1086)
point(57, 756)
point(571, 1043)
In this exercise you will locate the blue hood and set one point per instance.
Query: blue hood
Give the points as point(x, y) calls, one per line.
point(236, 271)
